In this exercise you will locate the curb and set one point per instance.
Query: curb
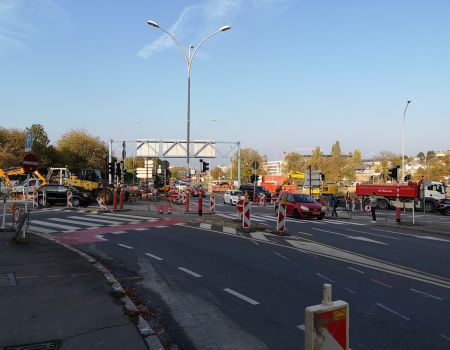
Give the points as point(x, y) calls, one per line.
point(150, 338)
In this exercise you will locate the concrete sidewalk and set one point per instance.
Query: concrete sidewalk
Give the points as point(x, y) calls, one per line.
point(49, 294)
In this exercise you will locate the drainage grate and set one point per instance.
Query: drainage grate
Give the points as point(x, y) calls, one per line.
point(7, 280)
point(35, 346)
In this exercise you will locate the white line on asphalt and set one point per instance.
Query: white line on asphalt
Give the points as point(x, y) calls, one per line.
point(160, 226)
point(445, 337)
point(139, 229)
point(40, 229)
point(76, 222)
point(301, 327)
point(334, 233)
point(397, 233)
point(324, 277)
point(351, 268)
point(365, 239)
point(345, 222)
point(371, 234)
point(349, 290)
point(259, 235)
point(84, 218)
point(383, 284)
point(100, 237)
point(241, 296)
point(124, 246)
point(113, 218)
point(154, 256)
point(281, 256)
point(64, 227)
point(304, 233)
point(433, 238)
point(118, 232)
point(253, 241)
point(394, 312)
point(130, 216)
point(189, 272)
point(428, 295)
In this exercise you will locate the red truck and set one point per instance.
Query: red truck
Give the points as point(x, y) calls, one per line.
point(388, 193)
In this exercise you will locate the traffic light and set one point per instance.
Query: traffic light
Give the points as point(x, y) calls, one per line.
point(393, 173)
point(111, 168)
point(322, 176)
point(407, 177)
point(118, 170)
point(205, 167)
point(253, 178)
point(124, 150)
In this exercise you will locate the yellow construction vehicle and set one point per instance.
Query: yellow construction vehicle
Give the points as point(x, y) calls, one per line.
point(6, 173)
point(87, 180)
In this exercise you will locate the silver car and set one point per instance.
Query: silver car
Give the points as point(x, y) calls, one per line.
point(232, 196)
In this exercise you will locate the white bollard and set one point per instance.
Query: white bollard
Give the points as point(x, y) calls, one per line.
point(327, 324)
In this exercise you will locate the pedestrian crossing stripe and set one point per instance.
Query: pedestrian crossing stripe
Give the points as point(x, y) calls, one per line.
point(129, 216)
point(76, 222)
point(89, 219)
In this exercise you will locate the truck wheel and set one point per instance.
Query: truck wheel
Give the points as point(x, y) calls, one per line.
point(106, 195)
point(383, 204)
point(429, 207)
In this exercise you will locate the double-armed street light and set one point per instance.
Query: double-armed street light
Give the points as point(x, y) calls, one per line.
point(188, 57)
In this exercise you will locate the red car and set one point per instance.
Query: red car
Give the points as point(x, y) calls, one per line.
point(301, 206)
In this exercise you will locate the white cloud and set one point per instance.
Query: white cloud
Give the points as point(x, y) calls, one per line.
point(206, 16)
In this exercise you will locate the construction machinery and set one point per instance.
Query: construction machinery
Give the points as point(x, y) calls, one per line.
point(86, 180)
point(6, 173)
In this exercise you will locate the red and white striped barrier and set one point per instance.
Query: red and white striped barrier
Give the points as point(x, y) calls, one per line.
point(240, 207)
point(212, 203)
point(69, 199)
point(35, 199)
point(187, 200)
point(246, 215)
point(281, 222)
point(102, 204)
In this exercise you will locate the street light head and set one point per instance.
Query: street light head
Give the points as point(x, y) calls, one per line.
point(408, 101)
point(136, 121)
point(224, 28)
point(153, 24)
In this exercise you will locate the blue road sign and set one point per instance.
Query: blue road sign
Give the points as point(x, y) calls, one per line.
point(29, 141)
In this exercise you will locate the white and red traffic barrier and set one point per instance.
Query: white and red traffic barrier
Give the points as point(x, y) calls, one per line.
point(187, 200)
point(169, 209)
point(327, 324)
point(35, 199)
point(281, 218)
point(69, 199)
point(240, 207)
point(212, 203)
point(102, 205)
point(246, 215)
point(161, 210)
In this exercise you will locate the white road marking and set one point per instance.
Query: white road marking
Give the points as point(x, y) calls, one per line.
point(110, 217)
point(64, 227)
point(324, 277)
point(154, 256)
point(67, 221)
point(124, 246)
point(281, 256)
point(351, 268)
point(241, 296)
point(334, 233)
point(381, 283)
point(160, 226)
point(397, 233)
point(253, 241)
point(394, 312)
point(139, 229)
point(189, 272)
point(301, 327)
point(40, 229)
point(206, 226)
point(365, 239)
point(371, 234)
point(349, 290)
point(428, 295)
point(445, 337)
point(102, 221)
point(131, 216)
point(231, 230)
point(346, 222)
point(100, 237)
point(304, 233)
point(433, 238)
point(259, 235)
point(118, 232)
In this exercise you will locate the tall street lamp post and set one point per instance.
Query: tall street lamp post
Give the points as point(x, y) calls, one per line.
point(188, 57)
point(403, 142)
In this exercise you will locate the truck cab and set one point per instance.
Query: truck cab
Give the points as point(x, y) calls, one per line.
point(434, 191)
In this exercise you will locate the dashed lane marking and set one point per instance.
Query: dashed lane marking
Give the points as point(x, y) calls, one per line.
point(371, 234)
point(281, 256)
point(426, 294)
point(241, 296)
point(189, 272)
point(124, 246)
point(154, 256)
point(304, 233)
point(351, 268)
point(381, 283)
point(324, 277)
point(392, 311)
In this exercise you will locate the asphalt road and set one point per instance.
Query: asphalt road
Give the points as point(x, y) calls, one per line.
point(214, 290)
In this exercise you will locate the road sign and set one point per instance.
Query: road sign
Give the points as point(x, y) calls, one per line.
point(28, 141)
point(255, 165)
point(30, 163)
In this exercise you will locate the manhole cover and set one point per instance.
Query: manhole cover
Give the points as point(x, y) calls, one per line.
point(36, 346)
point(7, 280)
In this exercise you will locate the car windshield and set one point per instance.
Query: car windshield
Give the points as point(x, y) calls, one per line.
point(304, 198)
point(237, 193)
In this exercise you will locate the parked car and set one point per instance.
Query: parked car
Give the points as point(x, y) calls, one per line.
point(231, 197)
point(443, 206)
point(57, 194)
point(301, 206)
point(258, 190)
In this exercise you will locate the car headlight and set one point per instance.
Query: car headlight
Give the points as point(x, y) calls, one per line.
point(304, 208)
point(324, 208)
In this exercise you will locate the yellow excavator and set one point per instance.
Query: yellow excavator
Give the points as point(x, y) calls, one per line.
point(6, 173)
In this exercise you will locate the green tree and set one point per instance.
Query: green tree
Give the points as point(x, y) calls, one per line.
point(178, 172)
point(248, 155)
point(334, 169)
point(80, 150)
point(357, 157)
point(421, 156)
point(430, 155)
point(316, 160)
point(294, 162)
point(41, 145)
point(12, 142)
point(217, 173)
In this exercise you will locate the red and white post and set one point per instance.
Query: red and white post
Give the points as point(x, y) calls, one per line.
point(187, 200)
point(246, 215)
point(69, 199)
point(281, 222)
point(240, 207)
point(35, 198)
point(327, 324)
point(212, 202)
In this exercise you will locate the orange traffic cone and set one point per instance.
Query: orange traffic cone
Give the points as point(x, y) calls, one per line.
point(169, 210)
point(161, 210)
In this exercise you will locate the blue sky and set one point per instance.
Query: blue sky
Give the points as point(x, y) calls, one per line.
point(289, 75)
